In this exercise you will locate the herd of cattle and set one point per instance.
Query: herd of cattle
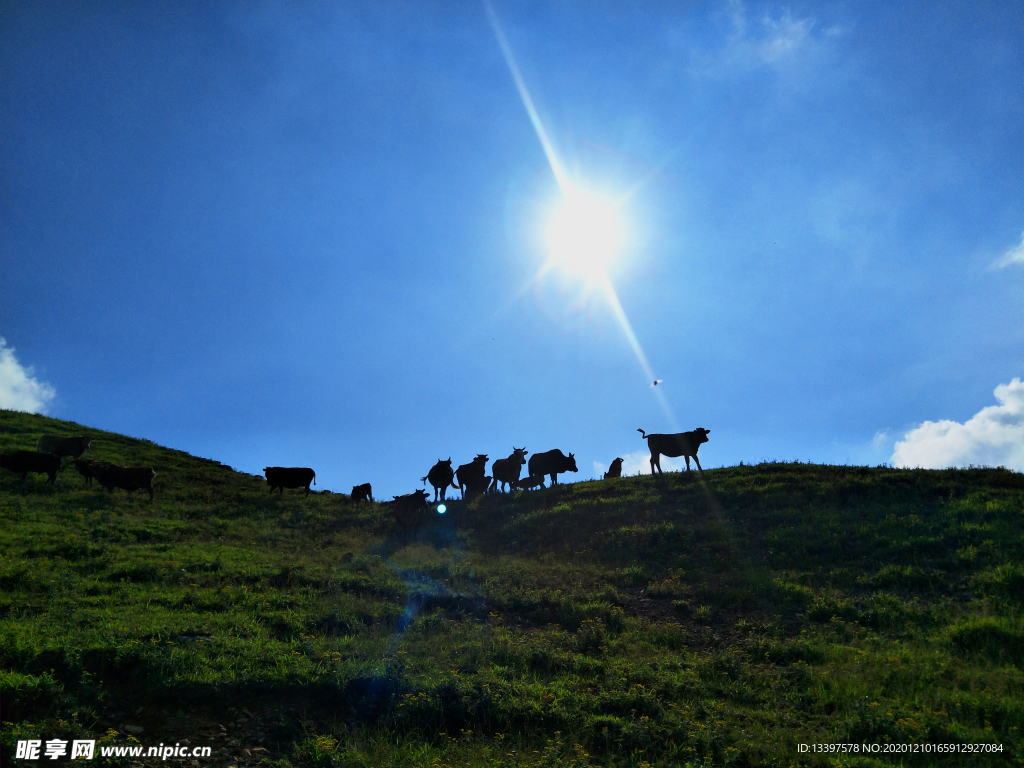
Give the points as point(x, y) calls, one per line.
point(49, 458)
point(409, 509)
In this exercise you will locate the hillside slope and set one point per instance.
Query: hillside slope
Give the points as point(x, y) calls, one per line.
point(718, 619)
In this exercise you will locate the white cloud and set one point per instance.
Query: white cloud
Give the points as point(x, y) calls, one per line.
point(994, 437)
point(1014, 255)
point(881, 439)
point(783, 36)
point(639, 463)
point(19, 391)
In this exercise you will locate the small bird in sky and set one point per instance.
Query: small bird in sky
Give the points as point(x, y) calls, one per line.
point(657, 382)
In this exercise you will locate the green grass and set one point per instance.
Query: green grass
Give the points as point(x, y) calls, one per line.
point(705, 620)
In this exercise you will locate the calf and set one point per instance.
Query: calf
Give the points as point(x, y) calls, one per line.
point(90, 468)
point(471, 475)
point(534, 481)
point(23, 462)
point(59, 445)
point(551, 463)
point(130, 479)
point(441, 475)
point(679, 444)
point(289, 477)
point(615, 470)
point(362, 492)
point(507, 470)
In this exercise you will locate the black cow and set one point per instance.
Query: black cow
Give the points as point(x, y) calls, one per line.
point(362, 492)
point(90, 468)
point(679, 444)
point(507, 470)
point(441, 475)
point(289, 477)
point(59, 445)
point(409, 510)
point(471, 475)
point(615, 470)
point(551, 463)
point(527, 483)
point(130, 479)
point(23, 462)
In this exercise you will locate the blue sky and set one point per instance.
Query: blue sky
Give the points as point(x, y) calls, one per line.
point(310, 233)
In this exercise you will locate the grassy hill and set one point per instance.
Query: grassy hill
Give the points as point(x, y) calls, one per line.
point(720, 619)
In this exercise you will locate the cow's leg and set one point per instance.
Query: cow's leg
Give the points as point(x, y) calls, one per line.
point(698, 462)
point(655, 462)
point(307, 491)
point(687, 457)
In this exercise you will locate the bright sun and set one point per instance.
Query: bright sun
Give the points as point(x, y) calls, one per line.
point(584, 233)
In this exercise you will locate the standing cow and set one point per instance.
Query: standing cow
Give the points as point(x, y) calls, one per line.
point(471, 476)
point(289, 477)
point(60, 445)
point(362, 492)
point(551, 463)
point(506, 471)
point(23, 462)
point(615, 470)
point(679, 444)
point(112, 476)
point(90, 468)
point(409, 510)
point(441, 475)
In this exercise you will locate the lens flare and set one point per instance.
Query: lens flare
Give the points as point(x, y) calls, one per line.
point(441, 509)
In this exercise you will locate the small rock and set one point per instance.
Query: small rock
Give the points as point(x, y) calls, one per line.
point(133, 728)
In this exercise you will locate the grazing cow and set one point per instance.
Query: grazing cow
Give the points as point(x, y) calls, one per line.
point(615, 470)
point(289, 477)
point(23, 462)
point(90, 468)
point(410, 510)
point(534, 481)
point(471, 475)
point(551, 463)
point(130, 479)
point(507, 470)
point(362, 492)
point(441, 475)
point(679, 444)
point(62, 446)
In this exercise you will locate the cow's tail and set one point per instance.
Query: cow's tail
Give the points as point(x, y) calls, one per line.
point(314, 478)
point(643, 435)
point(424, 481)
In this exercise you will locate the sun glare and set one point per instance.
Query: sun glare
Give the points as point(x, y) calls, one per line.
point(584, 234)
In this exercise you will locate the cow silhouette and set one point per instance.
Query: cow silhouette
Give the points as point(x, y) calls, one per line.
point(441, 475)
point(679, 444)
point(506, 471)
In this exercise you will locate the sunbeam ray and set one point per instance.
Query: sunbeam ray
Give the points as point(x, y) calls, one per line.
point(564, 185)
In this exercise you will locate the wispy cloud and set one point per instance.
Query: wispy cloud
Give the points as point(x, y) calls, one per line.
point(994, 436)
point(770, 40)
point(1014, 255)
point(19, 390)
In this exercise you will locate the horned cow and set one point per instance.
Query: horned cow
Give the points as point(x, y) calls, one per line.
point(678, 444)
point(23, 462)
point(410, 510)
point(471, 476)
point(551, 463)
point(61, 445)
point(441, 476)
point(506, 471)
point(289, 477)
